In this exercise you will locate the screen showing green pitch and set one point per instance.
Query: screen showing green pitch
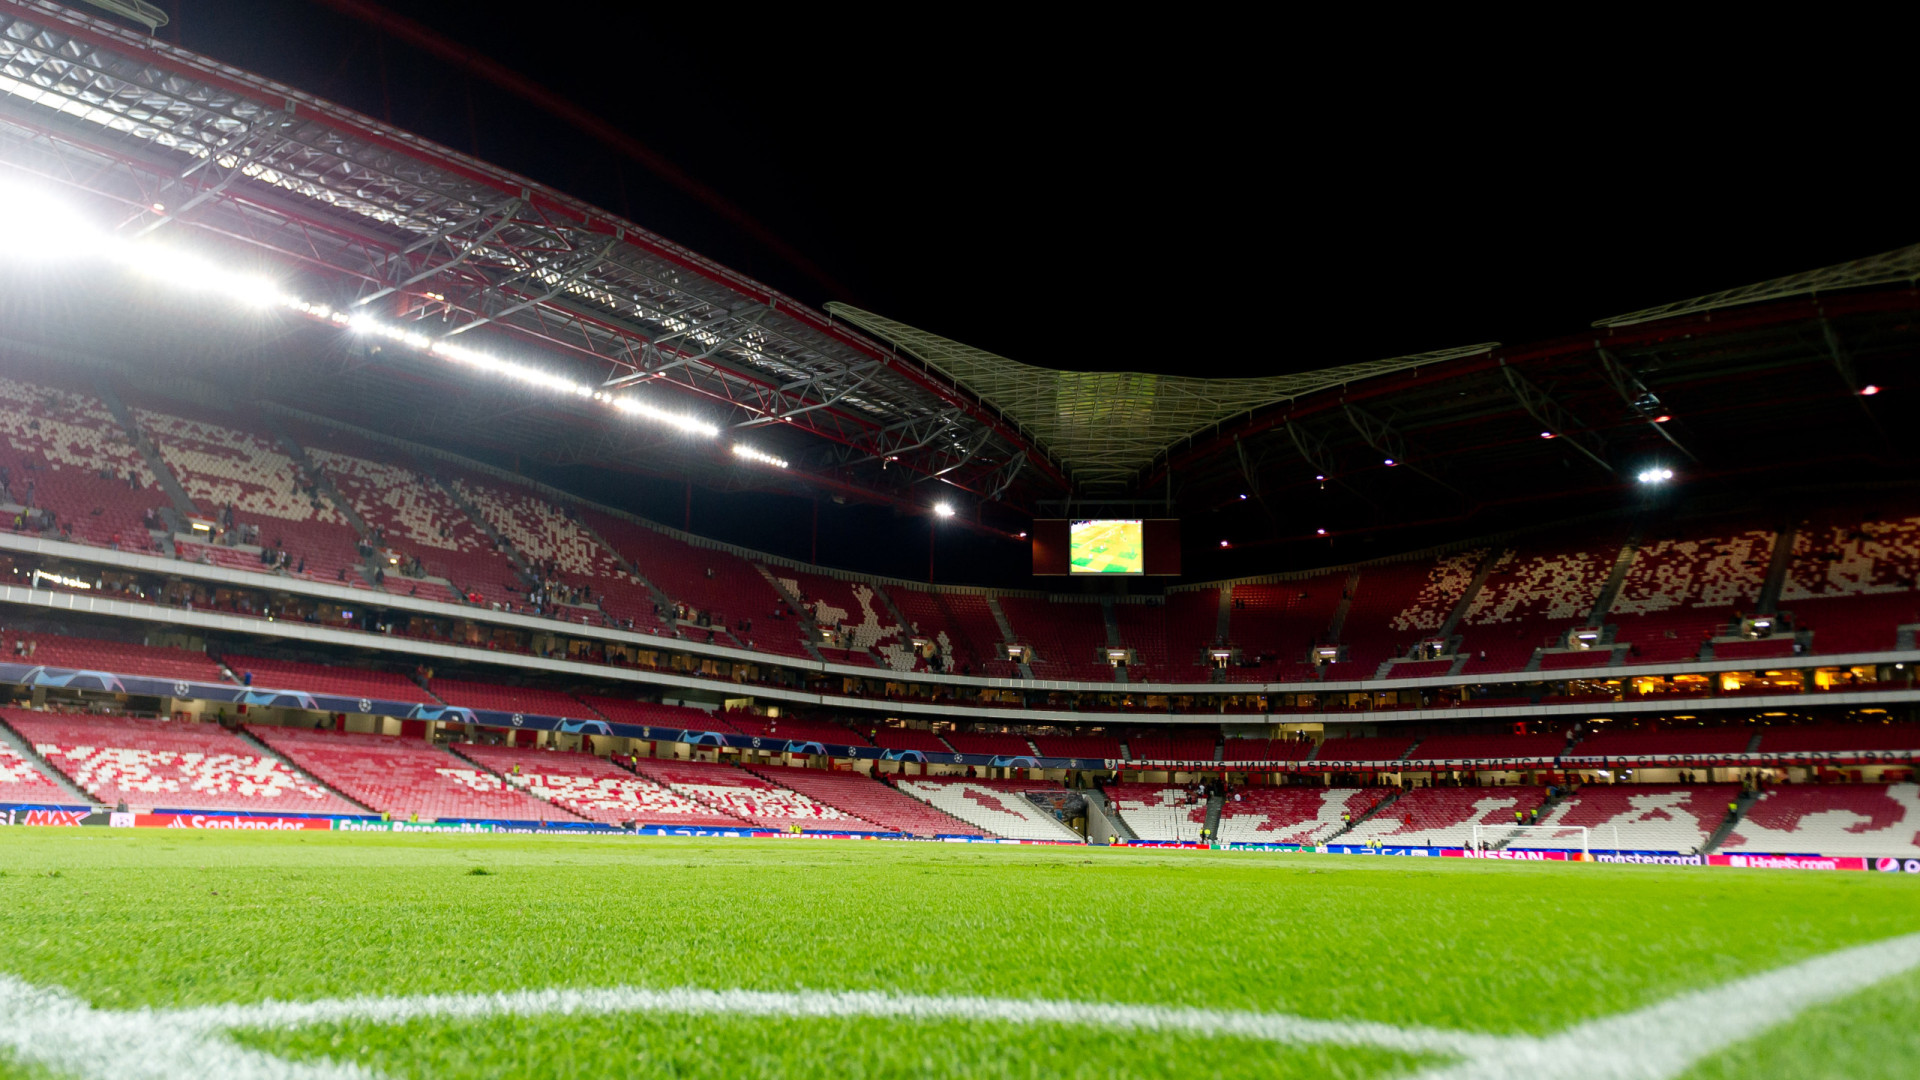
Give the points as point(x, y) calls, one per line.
point(1105, 547)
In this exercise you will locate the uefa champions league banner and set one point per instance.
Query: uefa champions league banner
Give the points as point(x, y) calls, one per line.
point(266, 697)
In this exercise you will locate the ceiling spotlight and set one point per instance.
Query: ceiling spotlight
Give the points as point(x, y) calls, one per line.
point(1243, 496)
point(1322, 477)
point(1546, 434)
point(1319, 532)
point(1869, 390)
point(944, 510)
point(159, 208)
point(1663, 418)
point(1224, 543)
point(1391, 463)
point(1023, 536)
point(1655, 476)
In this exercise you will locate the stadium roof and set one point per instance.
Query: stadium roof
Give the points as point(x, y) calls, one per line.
point(373, 218)
point(1109, 426)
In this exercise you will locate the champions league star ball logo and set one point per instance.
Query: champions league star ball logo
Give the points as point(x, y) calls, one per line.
point(518, 720)
point(181, 689)
point(366, 706)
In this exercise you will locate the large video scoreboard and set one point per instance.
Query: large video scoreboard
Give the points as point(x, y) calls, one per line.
point(1107, 547)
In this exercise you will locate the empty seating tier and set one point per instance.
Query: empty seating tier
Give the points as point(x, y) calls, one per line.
point(1444, 817)
point(1853, 582)
point(996, 806)
point(1274, 625)
point(1839, 738)
point(710, 581)
point(1098, 747)
point(748, 797)
point(1364, 748)
point(1643, 817)
point(119, 658)
point(653, 714)
point(868, 800)
point(910, 739)
point(1169, 641)
point(1159, 811)
point(793, 729)
point(1184, 747)
point(854, 611)
point(21, 781)
point(1660, 743)
point(223, 467)
point(962, 629)
point(414, 518)
point(405, 777)
point(1068, 639)
point(63, 451)
point(509, 699)
point(329, 679)
point(594, 788)
point(1397, 604)
point(1831, 819)
point(1265, 749)
point(1294, 815)
point(997, 744)
point(1489, 747)
point(1532, 597)
point(172, 765)
point(1682, 588)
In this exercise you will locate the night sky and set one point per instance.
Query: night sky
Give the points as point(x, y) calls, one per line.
point(1177, 192)
point(1109, 191)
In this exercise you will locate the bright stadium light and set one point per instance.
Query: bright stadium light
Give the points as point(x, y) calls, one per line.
point(1391, 463)
point(944, 510)
point(1869, 390)
point(1655, 475)
point(1546, 434)
point(748, 452)
point(42, 227)
point(1319, 532)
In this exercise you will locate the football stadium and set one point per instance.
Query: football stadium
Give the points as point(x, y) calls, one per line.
point(450, 628)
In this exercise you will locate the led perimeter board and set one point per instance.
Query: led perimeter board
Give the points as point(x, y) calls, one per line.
point(1107, 547)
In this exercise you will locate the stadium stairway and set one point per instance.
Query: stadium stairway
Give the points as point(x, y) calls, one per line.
point(269, 752)
point(659, 595)
point(479, 520)
point(169, 483)
point(1214, 805)
point(321, 481)
point(1098, 800)
point(13, 741)
point(1746, 801)
point(810, 637)
point(1351, 825)
point(1546, 807)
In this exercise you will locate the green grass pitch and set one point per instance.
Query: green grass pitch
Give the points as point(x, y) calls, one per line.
point(1108, 548)
point(174, 919)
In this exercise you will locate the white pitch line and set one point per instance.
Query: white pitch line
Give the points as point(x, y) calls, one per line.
point(1664, 1040)
point(1270, 1027)
point(56, 1029)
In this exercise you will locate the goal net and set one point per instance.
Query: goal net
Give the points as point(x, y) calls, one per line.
point(1536, 837)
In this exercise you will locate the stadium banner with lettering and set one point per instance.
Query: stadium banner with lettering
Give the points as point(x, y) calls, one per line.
point(1789, 862)
point(1897, 866)
point(267, 697)
point(37, 814)
point(1510, 855)
point(239, 822)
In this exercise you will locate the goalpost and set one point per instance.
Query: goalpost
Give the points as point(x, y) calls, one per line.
point(1535, 837)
